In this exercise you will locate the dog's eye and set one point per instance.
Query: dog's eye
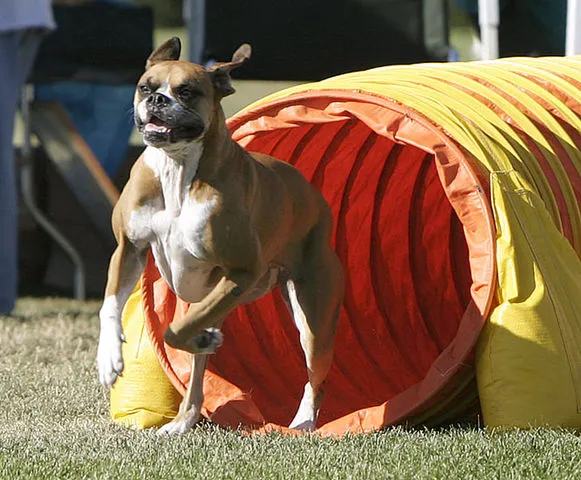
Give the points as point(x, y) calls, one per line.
point(186, 93)
point(144, 89)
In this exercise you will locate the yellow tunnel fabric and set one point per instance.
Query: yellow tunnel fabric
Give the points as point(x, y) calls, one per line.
point(518, 121)
point(529, 361)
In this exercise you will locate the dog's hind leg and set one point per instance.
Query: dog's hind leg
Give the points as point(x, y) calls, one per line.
point(315, 300)
point(190, 409)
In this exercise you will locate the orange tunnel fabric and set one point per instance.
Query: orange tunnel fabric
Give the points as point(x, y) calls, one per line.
point(400, 153)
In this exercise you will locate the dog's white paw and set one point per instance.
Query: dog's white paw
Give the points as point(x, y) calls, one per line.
point(179, 425)
point(110, 356)
point(305, 426)
point(208, 341)
point(306, 416)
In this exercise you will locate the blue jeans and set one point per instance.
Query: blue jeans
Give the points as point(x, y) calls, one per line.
point(17, 51)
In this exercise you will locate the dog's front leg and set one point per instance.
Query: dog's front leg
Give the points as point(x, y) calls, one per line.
point(124, 269)
point(190, 409)
point(194, 332)
point(239, 250)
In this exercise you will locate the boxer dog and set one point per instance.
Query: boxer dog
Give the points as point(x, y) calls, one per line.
point(224, 225)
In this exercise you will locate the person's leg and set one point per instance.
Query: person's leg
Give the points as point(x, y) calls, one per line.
point(28, 45)
point(17, 51)
point(10, 81)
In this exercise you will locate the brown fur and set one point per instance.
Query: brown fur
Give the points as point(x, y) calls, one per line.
point(268, 223)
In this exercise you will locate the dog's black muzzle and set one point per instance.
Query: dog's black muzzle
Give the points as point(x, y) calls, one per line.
point(167, 121)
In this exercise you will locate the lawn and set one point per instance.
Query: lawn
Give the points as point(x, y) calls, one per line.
point(54, 423)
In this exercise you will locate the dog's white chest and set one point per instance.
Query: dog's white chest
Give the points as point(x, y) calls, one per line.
point(175, 227)
point(181, 232)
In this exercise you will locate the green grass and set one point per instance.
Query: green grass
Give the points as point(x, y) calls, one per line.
point(54, 423)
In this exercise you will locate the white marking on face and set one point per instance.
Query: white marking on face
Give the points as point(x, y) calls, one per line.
point(165, 89)
point(142, 110)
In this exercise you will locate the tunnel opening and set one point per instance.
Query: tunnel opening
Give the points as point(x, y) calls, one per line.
point(406, 252)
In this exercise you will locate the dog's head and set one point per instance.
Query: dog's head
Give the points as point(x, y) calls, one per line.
point(175, 101)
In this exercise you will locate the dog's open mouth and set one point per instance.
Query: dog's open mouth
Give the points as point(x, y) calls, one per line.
point(158, 131)
point(156, 125)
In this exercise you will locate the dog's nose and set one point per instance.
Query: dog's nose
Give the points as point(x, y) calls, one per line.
point(157, 99)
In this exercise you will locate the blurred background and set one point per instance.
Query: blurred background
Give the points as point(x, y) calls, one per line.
point(75, 139)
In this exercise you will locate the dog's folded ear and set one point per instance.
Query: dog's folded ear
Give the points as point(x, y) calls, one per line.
point(220, 71)
point(168, 50)
point(241, 55)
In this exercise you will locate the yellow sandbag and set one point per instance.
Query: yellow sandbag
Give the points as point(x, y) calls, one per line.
point(529, 355)
point(144, 396)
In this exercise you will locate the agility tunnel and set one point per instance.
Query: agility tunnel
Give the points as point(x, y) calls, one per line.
point(456, 192)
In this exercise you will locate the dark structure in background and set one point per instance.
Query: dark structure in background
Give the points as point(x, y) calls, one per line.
point(527, 27)
point(105, 42)
point(92, 62)
point(96, 41)
point(313, 40)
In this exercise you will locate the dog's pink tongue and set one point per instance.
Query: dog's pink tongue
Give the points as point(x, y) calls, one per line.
point(153, 127)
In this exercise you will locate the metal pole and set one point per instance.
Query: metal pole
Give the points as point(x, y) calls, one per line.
point(488, 19)
point(573, 37)
point(26, 186)
point(195, 19)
